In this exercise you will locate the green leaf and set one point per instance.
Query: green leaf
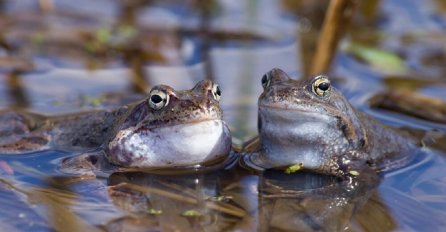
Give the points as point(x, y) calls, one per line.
point(191, 213)
point(103, 35)
point(354, 173)
point(381, 59)
point(294, 168)
point(155, 211)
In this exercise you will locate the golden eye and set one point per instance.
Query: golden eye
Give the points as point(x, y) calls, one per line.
point(266, 79)
point(321, 86)
point(216, 92)
point(158, 99)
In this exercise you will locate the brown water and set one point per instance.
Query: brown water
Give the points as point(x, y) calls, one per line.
point(76, 56)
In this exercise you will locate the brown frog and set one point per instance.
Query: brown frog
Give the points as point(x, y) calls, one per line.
point(310, 124)
point(168, 129)
point(172, 128)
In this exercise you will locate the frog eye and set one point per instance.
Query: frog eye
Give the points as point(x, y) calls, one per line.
point(216, 92)
point(266, 79)
point(321, 86)
point(158, 99)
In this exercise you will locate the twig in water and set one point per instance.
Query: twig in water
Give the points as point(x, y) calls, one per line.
point(335, 22)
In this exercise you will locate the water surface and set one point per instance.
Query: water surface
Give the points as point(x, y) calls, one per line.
point(77, 57)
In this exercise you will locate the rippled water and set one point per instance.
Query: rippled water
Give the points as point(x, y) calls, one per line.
point(52, 67)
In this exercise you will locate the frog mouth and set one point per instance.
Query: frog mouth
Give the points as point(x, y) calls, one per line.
point(300, 107)
point(173, 124)
point(292, 110)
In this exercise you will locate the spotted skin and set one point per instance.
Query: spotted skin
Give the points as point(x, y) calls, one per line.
point(185, 128)
point(188, 130)
point(311, 122)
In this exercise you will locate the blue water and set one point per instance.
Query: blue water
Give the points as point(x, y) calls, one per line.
point(38, 196)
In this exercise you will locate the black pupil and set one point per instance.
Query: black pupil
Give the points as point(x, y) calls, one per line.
point(324, 86)
point(264, 79)
point(156, 99)
point(218, 91)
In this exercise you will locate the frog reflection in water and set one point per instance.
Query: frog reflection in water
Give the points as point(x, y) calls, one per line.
point(311, 123)
point(168, 129)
